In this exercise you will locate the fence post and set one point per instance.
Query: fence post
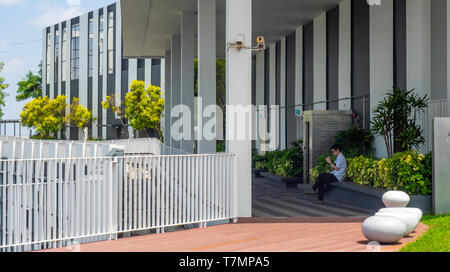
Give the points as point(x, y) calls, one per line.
point(113, 191)
point(235, 191)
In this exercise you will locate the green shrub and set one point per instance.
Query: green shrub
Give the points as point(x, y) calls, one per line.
point(286, 163)
point(355, 142)
point(322, 166)
point(408, 171)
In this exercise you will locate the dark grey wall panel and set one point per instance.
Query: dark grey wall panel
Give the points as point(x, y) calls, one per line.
point(291, 121)
point(400, 44)
point(438, 49)
point(254, 80)
point(278, 74)
point(266, 76)
point(361, 57)
point(333, 58)
point(74, 92)
point(100, 108)
point(156, 72)
point(111, 87)
point(308, 65)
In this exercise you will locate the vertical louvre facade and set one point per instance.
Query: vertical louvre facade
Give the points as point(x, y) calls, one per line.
point(82, 57)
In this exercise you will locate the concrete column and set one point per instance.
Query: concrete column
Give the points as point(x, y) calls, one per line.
point(175, 97)
point(345, 54)
point(132, 75)
point(238, 16)
point(44, 62)
point(381, 59)
point(206, 72)
point(167, 96)
point(105, 72)
point(84, 53)
point(118, 53)
point(187, 76)
point(320, 61)
point(68, 70)
point(273, 126)
point(51, 94)
point(283, 144)
point(299, 78)
point(148, 72)
point(95, 72)
point(260, 85)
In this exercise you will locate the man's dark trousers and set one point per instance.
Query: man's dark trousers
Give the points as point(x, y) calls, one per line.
point(322, 180)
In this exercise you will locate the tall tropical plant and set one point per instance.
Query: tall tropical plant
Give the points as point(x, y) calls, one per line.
point(395, 118)
point(30, 86)
point(79, 115)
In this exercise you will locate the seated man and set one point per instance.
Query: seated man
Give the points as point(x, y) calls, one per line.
point(337, 175)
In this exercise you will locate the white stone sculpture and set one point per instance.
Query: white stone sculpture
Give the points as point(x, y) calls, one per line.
point(396, 199)
point(410, 219)
point(413, 210)
point(384, 229)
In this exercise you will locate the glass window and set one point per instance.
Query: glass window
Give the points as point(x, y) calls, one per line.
point(111, 42)
point(56, 54)
point(91, 47)
point(100, 45)
point(75, 57)
point(64, 55)
point(48, 60)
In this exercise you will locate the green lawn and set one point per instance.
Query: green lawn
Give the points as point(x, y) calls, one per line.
point(437, 238)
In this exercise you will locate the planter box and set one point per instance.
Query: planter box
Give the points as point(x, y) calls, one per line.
point(369, 198)
point(283, 181)
point(257, 172)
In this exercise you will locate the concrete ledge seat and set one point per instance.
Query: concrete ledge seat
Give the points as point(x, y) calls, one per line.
point(283, 181)
point(384, 229)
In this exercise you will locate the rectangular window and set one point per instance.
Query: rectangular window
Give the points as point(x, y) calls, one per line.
point(48, 60)
point(91, 47)
point(64, 55)
point(111, 42)
point(75, 56)
point(56, 54)
point(100, 44)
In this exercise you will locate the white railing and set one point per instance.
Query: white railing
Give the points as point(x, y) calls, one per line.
point(146, 146)
point(21, 148)
point(50, 203)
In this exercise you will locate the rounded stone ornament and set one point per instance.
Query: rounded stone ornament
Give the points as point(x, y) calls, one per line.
point(413, 210)
point(396, 199)
point(411, 220)
point(384, 229)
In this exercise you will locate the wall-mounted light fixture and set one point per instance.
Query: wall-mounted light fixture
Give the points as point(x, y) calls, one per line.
point(239, 44)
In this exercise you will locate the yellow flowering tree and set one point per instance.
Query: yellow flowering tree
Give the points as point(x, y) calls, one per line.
point(111, 103)
point(144, 107)
point(79, 115)
point(45, 115)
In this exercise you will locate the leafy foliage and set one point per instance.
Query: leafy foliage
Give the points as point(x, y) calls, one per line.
point(355, 141)
point(47, 116)
point(322, 166)
point(395, 119)
point(407, 171)
point(287, 163)
point(3, 94)
point(79, 115)
point(30, 86)
point(143, 107)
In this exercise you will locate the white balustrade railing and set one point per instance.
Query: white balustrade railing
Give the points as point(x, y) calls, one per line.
point(48, 203)
point(146, 146)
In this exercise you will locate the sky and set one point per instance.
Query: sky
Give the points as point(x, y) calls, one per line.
point(21, 24)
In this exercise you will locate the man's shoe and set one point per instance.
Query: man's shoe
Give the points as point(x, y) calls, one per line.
point(310, 192)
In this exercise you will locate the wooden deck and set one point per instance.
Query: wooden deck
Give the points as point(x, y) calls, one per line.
point(284, 220)
point(257, 235)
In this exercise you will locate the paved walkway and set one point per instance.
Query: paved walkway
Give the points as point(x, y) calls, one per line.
point(271, 200)
point(256, 235)
point(285, 220)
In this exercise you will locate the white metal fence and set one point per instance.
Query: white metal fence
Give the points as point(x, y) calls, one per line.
point(49, 203)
